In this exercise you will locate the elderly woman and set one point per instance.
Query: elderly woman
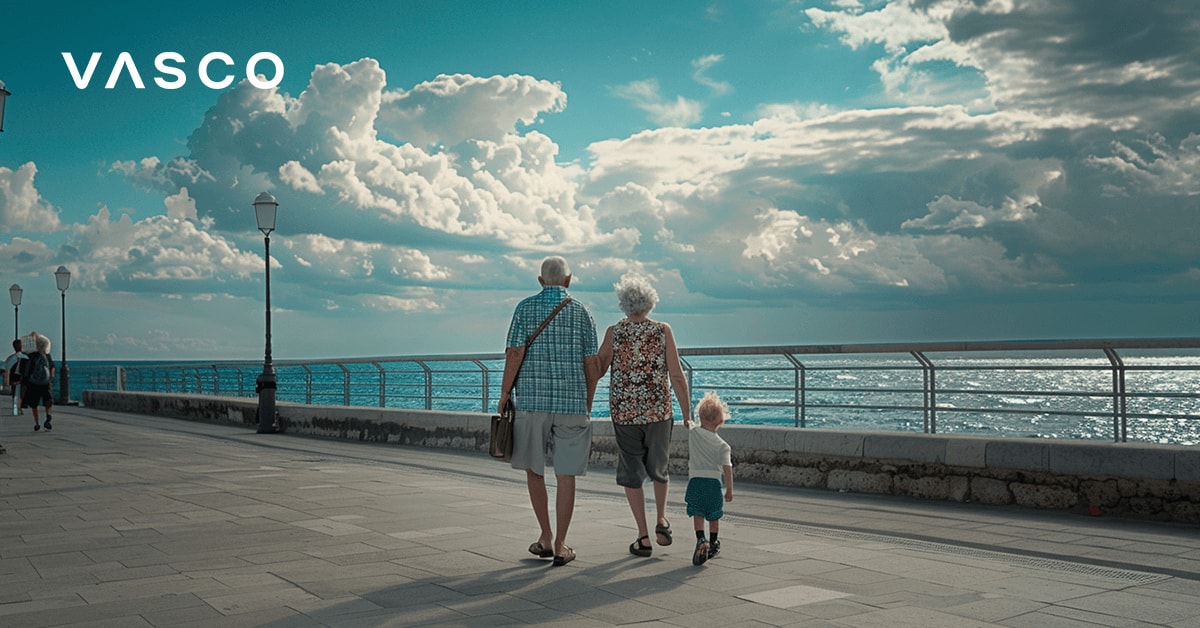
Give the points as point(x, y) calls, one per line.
point(644, 358)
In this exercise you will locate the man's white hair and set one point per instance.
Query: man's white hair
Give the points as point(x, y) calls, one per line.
point(42, 343)
point(635, 294)
point(555, 270)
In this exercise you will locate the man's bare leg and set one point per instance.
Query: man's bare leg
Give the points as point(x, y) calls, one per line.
point(564, 505)
point(541, 505)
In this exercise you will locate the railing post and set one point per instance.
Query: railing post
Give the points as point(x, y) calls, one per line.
point(345, 384)
point(483, 375)
point(929, 392)
point(800, 392)
point(307, 384)
point(120, 379)
point(428, 384)
point(382, 385)
point(1120, 400)
point(216, 380)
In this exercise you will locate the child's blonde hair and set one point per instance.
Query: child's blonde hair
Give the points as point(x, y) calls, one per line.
point(711, 409)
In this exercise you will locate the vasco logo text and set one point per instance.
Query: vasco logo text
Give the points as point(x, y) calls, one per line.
point(171, 75)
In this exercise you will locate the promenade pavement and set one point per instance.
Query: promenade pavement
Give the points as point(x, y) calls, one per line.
point(123, 520)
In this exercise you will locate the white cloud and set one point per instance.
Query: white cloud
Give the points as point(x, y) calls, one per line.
point(180, 206)
point(21, 205)
point(700, 68)
point(455, 108)
point(647, 96)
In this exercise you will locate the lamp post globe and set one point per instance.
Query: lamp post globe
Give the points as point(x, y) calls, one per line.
point(264, 211)
point(14, 294)
point(62, 277)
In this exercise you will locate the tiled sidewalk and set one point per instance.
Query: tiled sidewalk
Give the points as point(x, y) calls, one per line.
point(123, 520)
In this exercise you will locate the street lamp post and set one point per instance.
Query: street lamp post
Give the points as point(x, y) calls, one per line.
point(4, 94)
point(62, 277)
point(264, 210)
point(14, 293)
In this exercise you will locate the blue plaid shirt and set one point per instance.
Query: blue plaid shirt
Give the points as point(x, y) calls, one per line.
point(551, 378)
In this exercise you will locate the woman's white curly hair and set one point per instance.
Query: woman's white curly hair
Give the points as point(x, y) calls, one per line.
point(635, 294)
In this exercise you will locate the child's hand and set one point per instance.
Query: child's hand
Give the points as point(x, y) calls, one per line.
point(728, 496)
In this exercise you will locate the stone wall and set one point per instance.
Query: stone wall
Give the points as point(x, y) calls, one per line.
point(1121, 479)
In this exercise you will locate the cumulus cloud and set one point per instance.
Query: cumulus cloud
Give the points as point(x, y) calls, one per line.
point(461, 165)
point(452, 109)
point(22, 207)
point(157, 251)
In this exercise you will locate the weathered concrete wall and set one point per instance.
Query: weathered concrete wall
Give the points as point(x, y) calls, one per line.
point(1123, 479)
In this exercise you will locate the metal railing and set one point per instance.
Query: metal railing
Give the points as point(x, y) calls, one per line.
point(1069, 389)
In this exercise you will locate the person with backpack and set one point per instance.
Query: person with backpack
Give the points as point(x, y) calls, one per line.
point(39, 372)
point(14, 365)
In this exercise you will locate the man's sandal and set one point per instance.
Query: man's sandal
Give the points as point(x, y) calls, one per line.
point(637, 549)
point(662, 533)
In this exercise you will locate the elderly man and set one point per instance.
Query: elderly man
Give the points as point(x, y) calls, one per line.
point(553, 394)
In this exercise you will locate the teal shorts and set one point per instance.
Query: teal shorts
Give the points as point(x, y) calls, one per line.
point(705, 498)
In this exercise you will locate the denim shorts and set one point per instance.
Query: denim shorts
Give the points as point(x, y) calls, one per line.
point(644, 452)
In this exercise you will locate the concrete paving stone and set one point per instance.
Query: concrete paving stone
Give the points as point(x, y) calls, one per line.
point(793, 596)
point(414, 593)
point(610, 608)
point(491, 604)
point(558, 619)
point(240, 602)
point(336, 588)
point(1089, 618)
point(424, 615)
point(163, 586)
point(909, 617)
point(121, 573)
point(330, 609)
point(1150, 608)
point(282, 617)
point(994, 609)
point(1040, 589)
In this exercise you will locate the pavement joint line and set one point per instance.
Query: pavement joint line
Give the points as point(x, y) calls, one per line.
point(1017, 560)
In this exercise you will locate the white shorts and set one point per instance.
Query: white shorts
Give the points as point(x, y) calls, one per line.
point(567, 438)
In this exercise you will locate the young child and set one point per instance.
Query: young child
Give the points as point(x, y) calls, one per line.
point(709, 465)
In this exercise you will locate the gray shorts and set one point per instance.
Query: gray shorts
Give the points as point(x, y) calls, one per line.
point(644, 452)
point(568, 437)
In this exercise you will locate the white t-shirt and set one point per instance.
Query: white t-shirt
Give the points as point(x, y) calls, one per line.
point(708, 454)
point(13, 359)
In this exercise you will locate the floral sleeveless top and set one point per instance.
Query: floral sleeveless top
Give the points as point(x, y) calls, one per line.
point(639, 388)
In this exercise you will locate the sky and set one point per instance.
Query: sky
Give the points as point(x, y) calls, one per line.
point(784, 172)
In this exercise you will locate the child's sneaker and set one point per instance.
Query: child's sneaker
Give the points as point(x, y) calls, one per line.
point(714, 547)
point(47, 423)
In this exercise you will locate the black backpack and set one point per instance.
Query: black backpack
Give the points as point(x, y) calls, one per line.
point(37, 372)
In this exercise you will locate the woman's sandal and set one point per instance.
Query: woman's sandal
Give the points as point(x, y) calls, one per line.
point(541, 551)
point(662, 533)
point(637, 549)
point(701, 553)
point(559, 561)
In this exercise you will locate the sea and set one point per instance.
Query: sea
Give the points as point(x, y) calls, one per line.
point(1037, 397)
